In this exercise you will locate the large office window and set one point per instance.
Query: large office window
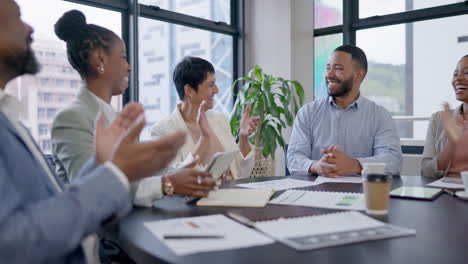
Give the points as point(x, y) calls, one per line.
point(328, 13)
point(158, 34)
point(323, 46)
point(44, 94)
point(412, 47)
point(162, 45)
point(370, 8)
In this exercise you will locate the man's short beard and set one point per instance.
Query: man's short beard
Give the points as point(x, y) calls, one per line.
point(346, 87)
point(24, 63)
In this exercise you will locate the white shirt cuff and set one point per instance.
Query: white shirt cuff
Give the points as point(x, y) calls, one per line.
point(189, 159)
point(148, 191)
point(119, 174)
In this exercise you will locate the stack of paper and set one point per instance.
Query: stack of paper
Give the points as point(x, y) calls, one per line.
point(237, 197)
point(305, 233)
point(279, 185)
point(345, 179)
point(215, 232)
point(331, 200)
point(447, 183)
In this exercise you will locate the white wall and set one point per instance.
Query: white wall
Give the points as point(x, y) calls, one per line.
point(279, 38)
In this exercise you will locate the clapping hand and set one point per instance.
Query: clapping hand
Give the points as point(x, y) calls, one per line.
point(248, 124)
point(108, 138)
point(202, 121)
point(119, 143)
point(450, 125)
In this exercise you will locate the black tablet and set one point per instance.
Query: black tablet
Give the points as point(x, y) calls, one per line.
point(422, 193)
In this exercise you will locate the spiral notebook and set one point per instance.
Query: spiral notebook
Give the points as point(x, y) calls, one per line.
point(314, 232)
point(330, 200)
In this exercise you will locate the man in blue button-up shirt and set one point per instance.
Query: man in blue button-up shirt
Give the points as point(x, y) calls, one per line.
point(334, 136)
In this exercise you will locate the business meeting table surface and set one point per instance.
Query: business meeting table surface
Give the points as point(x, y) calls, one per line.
point(441, 231)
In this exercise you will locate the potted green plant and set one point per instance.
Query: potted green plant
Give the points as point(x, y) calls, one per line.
point(271, 99)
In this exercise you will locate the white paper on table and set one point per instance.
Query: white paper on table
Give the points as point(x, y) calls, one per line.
point(279, 185)
point(316, 225)
point(445, 185)
point(345, 179)
point(235, 235)
point(315, 232)
point(331, 200)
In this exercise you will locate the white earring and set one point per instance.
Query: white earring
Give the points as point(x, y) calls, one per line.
point(101, 68)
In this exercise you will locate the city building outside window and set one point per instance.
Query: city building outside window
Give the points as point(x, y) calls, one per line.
point(162, 45)
point(58, 83)
point(159, 47)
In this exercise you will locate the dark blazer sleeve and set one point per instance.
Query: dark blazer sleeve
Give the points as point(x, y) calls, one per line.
point(52, 228)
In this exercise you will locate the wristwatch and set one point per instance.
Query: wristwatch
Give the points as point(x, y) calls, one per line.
point(168, 187)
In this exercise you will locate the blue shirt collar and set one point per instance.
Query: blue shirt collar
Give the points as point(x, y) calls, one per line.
point(355, 104)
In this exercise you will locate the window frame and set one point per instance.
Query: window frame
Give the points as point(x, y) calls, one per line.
point(352, 23)
point(131, 10)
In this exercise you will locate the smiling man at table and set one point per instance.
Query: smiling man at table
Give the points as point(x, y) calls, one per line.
point(335, 135)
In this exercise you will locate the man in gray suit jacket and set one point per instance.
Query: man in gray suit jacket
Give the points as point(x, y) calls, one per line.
point(40, 222)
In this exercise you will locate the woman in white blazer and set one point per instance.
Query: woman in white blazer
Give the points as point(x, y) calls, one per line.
point(209, 131)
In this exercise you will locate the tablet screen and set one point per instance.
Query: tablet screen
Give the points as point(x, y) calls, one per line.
point(416, 192)
point(220, 162)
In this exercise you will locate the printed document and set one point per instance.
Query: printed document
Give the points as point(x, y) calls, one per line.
point(279, 185)
point(227, 234)
point(330, 200)
point(345, 179)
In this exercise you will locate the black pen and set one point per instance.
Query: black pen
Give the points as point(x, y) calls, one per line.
point(193, 236)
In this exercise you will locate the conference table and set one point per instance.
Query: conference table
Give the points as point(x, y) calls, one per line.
point(441, 231)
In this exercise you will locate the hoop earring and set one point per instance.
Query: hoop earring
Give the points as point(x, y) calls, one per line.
point(101, 69)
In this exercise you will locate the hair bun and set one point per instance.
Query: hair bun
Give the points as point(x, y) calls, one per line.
point(67, 26)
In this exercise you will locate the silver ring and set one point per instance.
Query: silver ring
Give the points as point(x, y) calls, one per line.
point(199, 179)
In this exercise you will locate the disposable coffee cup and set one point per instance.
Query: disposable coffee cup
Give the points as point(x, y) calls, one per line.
point(464, 176)
point(377, 193)
point(368, 168)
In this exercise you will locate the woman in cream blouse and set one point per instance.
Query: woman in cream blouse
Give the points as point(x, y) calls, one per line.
point(439, 156)
point(209, 131)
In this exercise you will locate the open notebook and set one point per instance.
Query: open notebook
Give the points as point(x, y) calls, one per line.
point(237, 197)
point(313, 232)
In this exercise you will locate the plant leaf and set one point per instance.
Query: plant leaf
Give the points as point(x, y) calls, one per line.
point(299, 91)
point(234, 122)
point(267, 138)
point(258, 73)
point(273, 100)
point(265, 145)
point(296, 107)
point(289, 117)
